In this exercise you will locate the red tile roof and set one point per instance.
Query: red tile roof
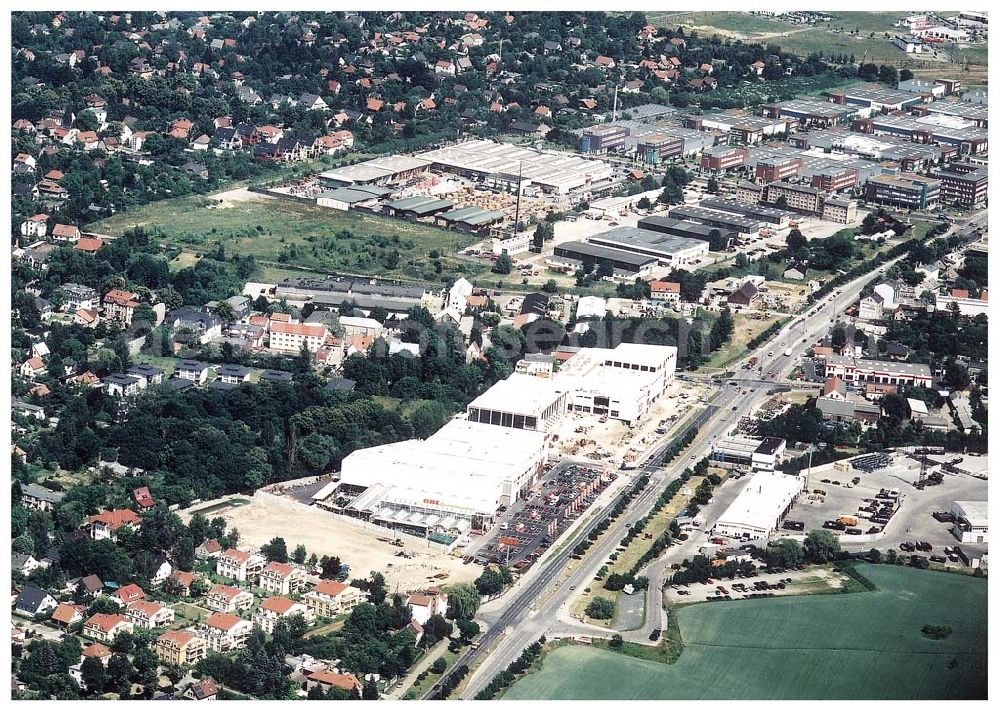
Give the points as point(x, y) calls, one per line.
point(105, 623)
point(223, 621)
point(117, 518)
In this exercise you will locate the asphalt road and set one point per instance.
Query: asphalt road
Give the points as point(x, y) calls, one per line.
point(513, 616)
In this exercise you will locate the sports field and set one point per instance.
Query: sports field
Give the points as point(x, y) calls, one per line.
point(860, 646)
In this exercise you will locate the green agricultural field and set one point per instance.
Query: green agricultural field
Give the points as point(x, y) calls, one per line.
point(864, 645)
point(297, 237)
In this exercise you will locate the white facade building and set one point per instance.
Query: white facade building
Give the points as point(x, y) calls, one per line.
point(286, 337)
point(760, 506)
point(972, 524)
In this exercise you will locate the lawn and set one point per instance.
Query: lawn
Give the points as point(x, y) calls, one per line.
point(300, 237)
point(805, 39)
point(419, 689)
point(744, 330)
point(864, 645)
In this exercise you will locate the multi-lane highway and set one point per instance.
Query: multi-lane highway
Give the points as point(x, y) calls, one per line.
point(516, 620)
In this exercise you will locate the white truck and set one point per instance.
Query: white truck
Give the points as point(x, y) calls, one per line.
point(788, 352)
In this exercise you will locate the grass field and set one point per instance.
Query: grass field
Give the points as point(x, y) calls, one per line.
point(860, 646)
point(805, 39)
point(295, 236)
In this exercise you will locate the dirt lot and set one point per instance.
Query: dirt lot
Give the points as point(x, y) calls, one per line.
point(613, 440)
point(325, 534)
point(237, 195)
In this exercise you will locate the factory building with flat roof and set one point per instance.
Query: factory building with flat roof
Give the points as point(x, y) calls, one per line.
point(670, 251)
point(682, 229)
point(461, 476)
point(772, 216)
point(811, 113)
point(380, 171)
point(905, 190)
point(621, 383)
point(625, 262)
point(365, 293)
point(747, 451)
point(506, 165)
point(745, 227)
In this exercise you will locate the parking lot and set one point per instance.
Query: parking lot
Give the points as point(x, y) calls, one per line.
point(914, 519)
point(796, 582)
point(524, 532)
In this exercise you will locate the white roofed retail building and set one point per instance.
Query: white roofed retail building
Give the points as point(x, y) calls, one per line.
point(453, 480)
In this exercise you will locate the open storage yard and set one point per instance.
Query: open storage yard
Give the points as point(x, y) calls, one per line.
point(912, 522)
point(864, 645)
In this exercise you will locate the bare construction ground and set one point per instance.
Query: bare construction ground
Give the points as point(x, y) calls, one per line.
point(409, 567)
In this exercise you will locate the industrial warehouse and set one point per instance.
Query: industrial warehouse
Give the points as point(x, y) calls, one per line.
point(461, 476)
point(758, 509)
point(503, 166)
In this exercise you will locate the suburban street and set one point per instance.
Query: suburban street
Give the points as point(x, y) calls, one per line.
point(514, 616)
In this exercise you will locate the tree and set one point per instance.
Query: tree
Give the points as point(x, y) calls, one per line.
point(550, 286)
point(330, 567)
point(463, 601)
point(713, 185)
point(467, 629)
point(439, 665)
point(741, 260)
point(299, 554)
point(437, 628)
point(94, 675)
point(717, 241)
point(821, 546)
point(369, 690)
point(784, 554)
point(600, 608)
point(503, 265)
point(616, 642)
point(377, 589)
point(493, 581)
point(183, 554)
point(905, 75)
point(796, 241)
point(276, 550)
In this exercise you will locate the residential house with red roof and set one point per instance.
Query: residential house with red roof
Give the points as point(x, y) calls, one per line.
point(224, 632)
point(104, 628)
point(276, 608)
point(89, 244)
point(282, 578)
point(324, 679)
point(330, 598)
point(69, 234)
point(128, 594)
point(67, 614)
point(106, 524)
point(149, 615)
point(239, 565)
point(142, 497)
point(228, 598)
point(119, 306)
point(180, 647)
